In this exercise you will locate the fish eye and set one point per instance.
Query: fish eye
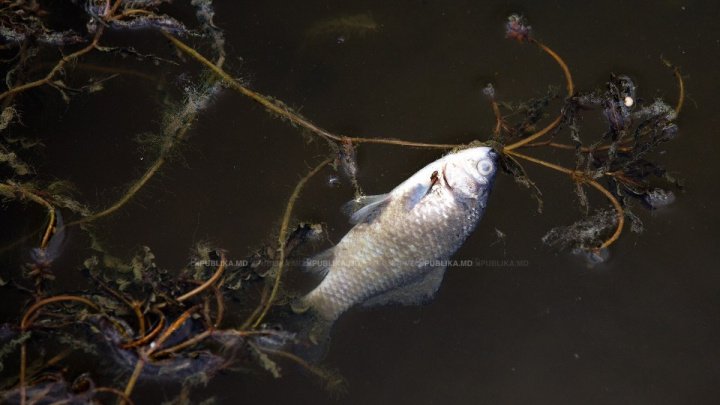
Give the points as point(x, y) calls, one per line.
point(485, 167)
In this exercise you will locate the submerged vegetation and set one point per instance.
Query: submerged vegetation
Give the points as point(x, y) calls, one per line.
point(152, 324)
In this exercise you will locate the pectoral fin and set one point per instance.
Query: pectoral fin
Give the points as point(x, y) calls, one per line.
point(320, 263)
point(417, 292)
point(416, 194)
point(366, 208)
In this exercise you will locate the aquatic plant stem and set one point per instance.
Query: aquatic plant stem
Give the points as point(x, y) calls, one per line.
point(282, 238)
point(140, 183)
point(215, 277)
point(573, 147)
point(219, 301)
point(183, 345)
point(579, 176)
point(121, 395)
point(566, 71)
point(681, 90)
point(133, 378)
point(263, 297)
point(681, 85)
point(11, 188)
point(172, 329)
point(23, 371)
point(293, 357)
point(140, 317)
point(285, 112)
point(618, 209)
point(570, 92)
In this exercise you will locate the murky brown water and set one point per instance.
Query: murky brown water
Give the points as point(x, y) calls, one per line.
point(641, 328)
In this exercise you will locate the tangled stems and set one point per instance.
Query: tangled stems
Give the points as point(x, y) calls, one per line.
point(58, 67)
point(25, 325)
point(570, 91)
point(133, 378)
point(158, 335)
point(580, 177)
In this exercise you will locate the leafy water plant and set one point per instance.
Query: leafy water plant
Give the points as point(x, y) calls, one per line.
point(155, 324)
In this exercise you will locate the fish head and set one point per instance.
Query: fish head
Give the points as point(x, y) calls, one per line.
point(470, 173)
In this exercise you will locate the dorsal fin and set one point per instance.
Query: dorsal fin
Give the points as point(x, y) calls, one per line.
point(366, 208)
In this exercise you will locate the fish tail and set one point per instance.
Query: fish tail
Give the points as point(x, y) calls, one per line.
point(317, 304)
point(312, 329)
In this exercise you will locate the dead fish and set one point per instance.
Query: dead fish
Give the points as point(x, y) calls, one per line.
point(395, 251)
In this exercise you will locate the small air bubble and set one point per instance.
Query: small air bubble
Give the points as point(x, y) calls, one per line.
point(489, 90)
point(659, 198)
point(594, 256)
point(333, 181)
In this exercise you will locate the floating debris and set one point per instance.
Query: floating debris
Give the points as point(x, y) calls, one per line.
point(585, 234)
point(659, 198)
point(517, 28)
point(341, 29)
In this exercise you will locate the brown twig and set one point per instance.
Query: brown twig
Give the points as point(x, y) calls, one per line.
point(140, 317)
point(183, 345)
point(584, 149)
point(285, 112)
point(140, 183)
point(27, 321)
point(498, 119)
point(681, 85)
point(215, 277)
point(570, 91)
point(566, 71)
point(293, 357)
point(126, 399)
point(133, 378)
point(34, 197)
point(263, 298)
point(618, 209)
point(173, 328)
point(220, 303)
point(282, 237)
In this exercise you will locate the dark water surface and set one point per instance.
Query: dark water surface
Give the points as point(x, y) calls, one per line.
point(642, 328)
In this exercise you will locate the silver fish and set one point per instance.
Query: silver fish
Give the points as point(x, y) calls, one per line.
point(395, 252)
